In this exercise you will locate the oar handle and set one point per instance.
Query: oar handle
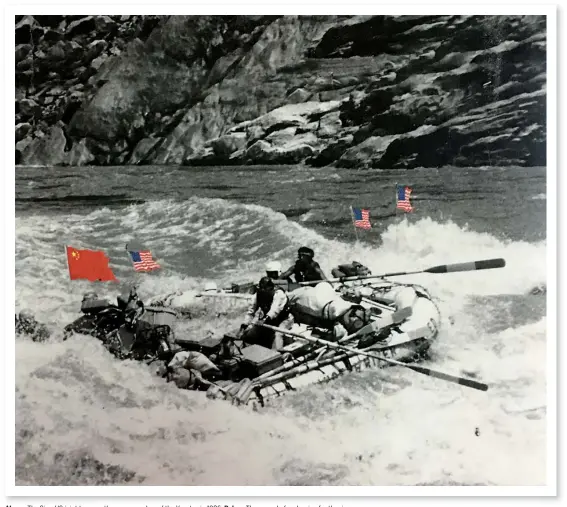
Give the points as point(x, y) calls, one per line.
point(450, 378)
point(467, 266)
point(442, 268)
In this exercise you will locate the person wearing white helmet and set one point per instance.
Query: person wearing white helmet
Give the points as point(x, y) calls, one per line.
point(274, 270)
point(211, 287)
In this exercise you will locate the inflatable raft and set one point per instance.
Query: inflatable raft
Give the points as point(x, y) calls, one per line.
point(308, 358)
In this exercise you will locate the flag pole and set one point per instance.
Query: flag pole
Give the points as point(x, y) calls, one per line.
point(396, 199)
point(135, 283)
point(353, 224)
point(67, 260)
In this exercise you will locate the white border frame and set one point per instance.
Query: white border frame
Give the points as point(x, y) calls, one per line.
point(291, 7)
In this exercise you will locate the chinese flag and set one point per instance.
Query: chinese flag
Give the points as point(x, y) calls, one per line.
point(89, 264)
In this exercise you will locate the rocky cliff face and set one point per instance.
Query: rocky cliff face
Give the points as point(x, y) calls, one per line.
point(360, 91)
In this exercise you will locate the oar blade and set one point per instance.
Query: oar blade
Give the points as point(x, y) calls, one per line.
point(467, 382)
point(467, 266)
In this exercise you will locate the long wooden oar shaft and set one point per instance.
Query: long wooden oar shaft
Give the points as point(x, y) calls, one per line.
point(302, 368)
point(417, 368)
point(228, 295)
point(443, 268)
point(292, 363)
point(387, 320)
point(412, 335)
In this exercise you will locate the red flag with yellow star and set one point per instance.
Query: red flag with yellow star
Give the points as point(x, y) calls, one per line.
point(91, 265)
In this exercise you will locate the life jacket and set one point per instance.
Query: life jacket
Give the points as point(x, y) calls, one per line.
point(265, 299)
point(304, 272)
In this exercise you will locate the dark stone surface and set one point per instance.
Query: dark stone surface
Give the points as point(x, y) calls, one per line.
point(408, 91)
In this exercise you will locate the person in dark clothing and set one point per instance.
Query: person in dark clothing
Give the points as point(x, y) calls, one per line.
point(272, 301)
point(305, 269)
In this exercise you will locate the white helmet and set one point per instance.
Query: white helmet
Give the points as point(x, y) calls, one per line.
point(273, 269)
point(211, 287)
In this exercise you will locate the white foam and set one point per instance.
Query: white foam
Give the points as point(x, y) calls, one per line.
point(367, 428)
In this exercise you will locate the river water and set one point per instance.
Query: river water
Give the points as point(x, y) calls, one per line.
point(84, 418)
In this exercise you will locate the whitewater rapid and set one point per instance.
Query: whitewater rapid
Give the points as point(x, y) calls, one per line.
point(83, 417)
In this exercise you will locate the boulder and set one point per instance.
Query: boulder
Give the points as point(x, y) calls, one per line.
point(82, 26)
point(335, 95)
point(281, 137)
point(228, 144)
point(25, 64)
point(259, 151)
point(78, 155)
point(22, 130)
point(28, 108)
point(22, 50)
point(204, 157)
point(51, 35)
point(361, 154)
point(329, 125)
point(73, 50)
point(105, 24)
point(23, 144)
point(332, 152)
point(298, 96)
point(98, 62)
point(95, 48)
point(263, 152)
point(254, 133)
point(48, 150)
point(294, 114)
point(27, 29)
point(142, 149)
point(57, 52)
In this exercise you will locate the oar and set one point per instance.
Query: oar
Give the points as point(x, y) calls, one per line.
point(387, 320)
point(299, 365)
point(420, 369)
point(443, 268)
point(229, 295)
point(296, 367)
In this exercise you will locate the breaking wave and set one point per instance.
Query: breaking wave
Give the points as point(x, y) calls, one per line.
point(83, 417)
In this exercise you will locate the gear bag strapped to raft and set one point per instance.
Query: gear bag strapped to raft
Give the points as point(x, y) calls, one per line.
point(353, 269)
point(318, 306)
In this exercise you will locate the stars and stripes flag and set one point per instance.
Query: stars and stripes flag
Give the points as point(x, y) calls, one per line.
point(361, 218)
point(403, 198)
point(143, 261)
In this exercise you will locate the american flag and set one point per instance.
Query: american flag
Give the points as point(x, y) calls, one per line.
point(402, 198)
point(361, 218)
point(143, 261)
